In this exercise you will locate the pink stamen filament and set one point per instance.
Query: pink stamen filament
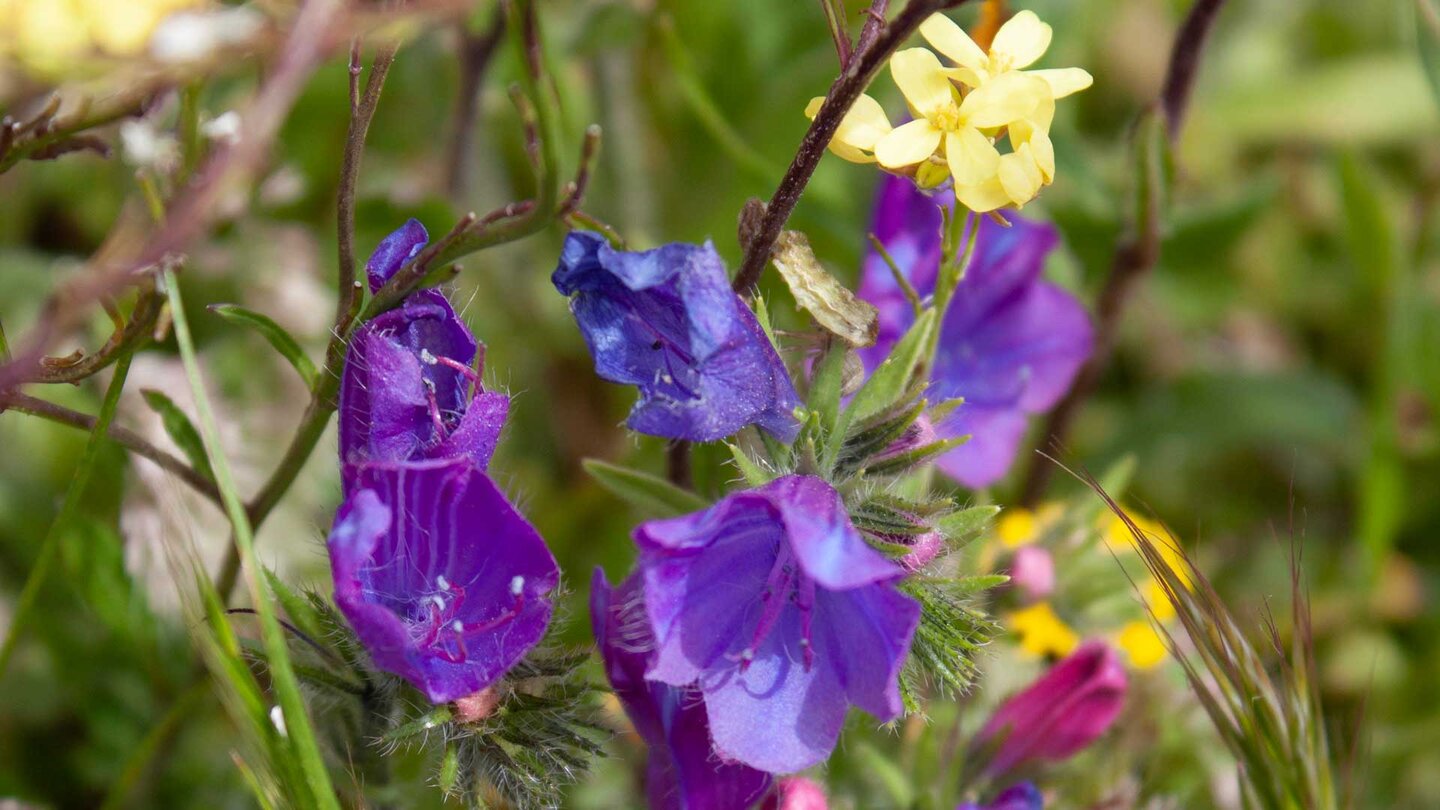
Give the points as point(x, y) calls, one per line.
point(783, 574)
point(436, 417)
point(438, 621)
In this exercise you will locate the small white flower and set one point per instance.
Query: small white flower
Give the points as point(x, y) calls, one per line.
point(224, 128)
point(277, 717)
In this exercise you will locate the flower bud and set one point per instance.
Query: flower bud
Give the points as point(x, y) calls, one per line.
point(797, 793)
point(1059, 714)
point(920, 433)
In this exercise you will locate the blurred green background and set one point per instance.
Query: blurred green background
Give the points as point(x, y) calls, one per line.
point(1279, 372)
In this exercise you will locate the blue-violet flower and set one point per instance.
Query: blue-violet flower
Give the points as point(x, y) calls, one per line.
point(1011, 343)
point(667, 322)
point(684, 773)
point(443, 581)
point(409, 391)
point(774, 606)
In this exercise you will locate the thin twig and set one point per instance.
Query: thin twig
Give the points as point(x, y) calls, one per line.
point(846, 89)
point(1135, 255)
point(362, 112)
point(22, 403)
point(677, 464)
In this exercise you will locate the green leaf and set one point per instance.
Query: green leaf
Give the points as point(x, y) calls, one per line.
point(890, 775)
point(272, 332)
point(181, 430)
point(300, 611)
point(966, 523)
point(903, 462)
point(644, 491)
point(826, 384)
point(755, 475)
point(892, 379)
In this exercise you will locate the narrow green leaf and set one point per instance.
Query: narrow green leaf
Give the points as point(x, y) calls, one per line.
point(69, 509)
point(642, 490)
point(826, 384)
point(272, 332)
point(300, 611)
point(899, 464)
point(891, 777)
point(301, 741)
point(180, 429)
point(892, 378)
point(755, 475)
point(966, 523)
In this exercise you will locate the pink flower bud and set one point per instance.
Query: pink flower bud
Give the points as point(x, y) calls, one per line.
point(926, 547)
point(920, 433)
point(1059, 714)
point(797, 793)
point(477, 707)
point(1032, 572)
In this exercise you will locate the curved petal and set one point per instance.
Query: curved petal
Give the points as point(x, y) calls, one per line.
point(1005, 98)
point(908, 144)
point(987, 196)
point(1020, 176)
point(864, 124)
point(818, 528)
point(394, 251)
point(777, 715)
point(922, 80)
point(1064, 81)
point(995, 435)
point(951, 40)
point(877, 624)
point(973, 159)
point(1022, 40)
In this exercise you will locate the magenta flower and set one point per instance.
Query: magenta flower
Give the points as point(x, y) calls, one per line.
point(667, 322)
point(445, 584)
point(1059, 714)
point(684, 773)
point(775, 608)
point(1020, 796)
point(409, 391)
point(1010, 344)
point(1032, 572)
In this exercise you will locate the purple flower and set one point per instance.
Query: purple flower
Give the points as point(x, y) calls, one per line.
point(666, 321)
point(1020, 796)
point(1011, 342)
point(683, 773)
point(773, 605)
point(409, 391)
point(1063, 711)
point(443, 581)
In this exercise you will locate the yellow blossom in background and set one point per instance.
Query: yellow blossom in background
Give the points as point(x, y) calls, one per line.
point(1019, 526)
point(60, 36)
point(1042, 632)
point(1141, 644)
point(1118, 539)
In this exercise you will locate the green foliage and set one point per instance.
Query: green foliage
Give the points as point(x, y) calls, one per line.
point(180, 429)
point(650, 494)
point(274, 334)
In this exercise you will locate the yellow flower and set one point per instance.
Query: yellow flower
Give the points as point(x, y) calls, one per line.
point(59, 36)
point(1142, 644)
point(944, 119)
point(861, 127)
point(1042, 632)
point(1019, 526)
point(1019, 43)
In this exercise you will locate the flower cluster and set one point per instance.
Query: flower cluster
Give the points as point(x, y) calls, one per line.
point(444, 582)
point(962, 111)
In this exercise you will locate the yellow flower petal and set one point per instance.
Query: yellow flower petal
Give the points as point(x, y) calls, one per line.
point(1016, 527)
point(1003, 99)
point(908, 144)
point(972, 157)
point(1064, 81)
point(921, 78)
point(1024, 132)
point(1141, 644)
point(1157, 601)
point(1020, 176)
point(1020, 41)
point(988, 196)
point(1042, 632)
point(952, 41)
point(864, 124)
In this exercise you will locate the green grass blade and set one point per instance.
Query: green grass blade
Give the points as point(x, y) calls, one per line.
point(300, 733)
point(50, 546)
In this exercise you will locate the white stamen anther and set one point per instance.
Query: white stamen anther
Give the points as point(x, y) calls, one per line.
point(427, 358)
point(458, 626)
point(436, 600)
point(517, 584)
point(442, 583)
point(747, 655)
